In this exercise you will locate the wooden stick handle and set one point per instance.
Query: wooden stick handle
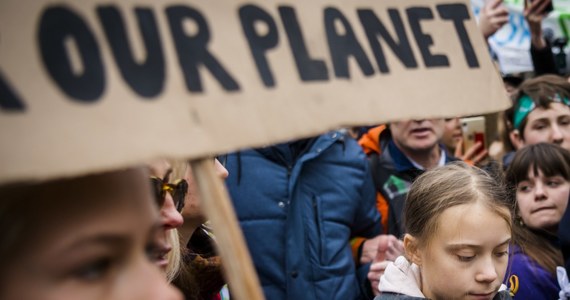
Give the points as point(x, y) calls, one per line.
point(216, 204)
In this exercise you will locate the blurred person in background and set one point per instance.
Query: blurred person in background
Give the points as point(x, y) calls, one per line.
point(540, 114)
point(540, 177)
point(200, 275)
point(452, 139)
point(299, 204)
point(169, 194)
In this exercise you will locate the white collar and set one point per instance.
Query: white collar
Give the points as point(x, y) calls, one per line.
point(441, 163)
point(401, 277)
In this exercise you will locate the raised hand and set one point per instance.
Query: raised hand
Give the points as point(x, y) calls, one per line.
point(493, 16)
point(473, 155)
point(534, 12)
point(387, 249)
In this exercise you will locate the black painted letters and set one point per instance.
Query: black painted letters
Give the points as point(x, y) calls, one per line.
point(59, 24)
point(374, 29)
point(146, 78)
point(309, 69)
point(192, 50)
point(9, 100)
point(249, 15)
point(458, 13)
point(61, 28)
point(424, 41)
point(342, 46)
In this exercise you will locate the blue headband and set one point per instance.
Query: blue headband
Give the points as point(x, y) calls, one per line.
point(525, 105)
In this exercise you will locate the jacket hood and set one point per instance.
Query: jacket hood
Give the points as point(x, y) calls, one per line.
point(370, 141)
point(401, 277)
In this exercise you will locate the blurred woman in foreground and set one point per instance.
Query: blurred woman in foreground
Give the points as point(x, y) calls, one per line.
point(91, 237)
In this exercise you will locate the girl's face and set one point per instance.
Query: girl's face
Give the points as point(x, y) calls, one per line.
point(461, 260)
point(94, 241)
point(550, 125)
point(542, 200)
point(452, 133)
point(170, 217)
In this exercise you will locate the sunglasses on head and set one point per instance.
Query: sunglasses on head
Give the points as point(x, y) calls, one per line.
point(178, 190)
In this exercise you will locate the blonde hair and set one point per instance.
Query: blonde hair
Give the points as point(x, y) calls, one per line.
point(448, 186)
point(175, 262)
point(174, 257)
point(179, 168)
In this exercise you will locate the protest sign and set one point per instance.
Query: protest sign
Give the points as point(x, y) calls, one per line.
point(88, 86)
point(93, 85)
point(511, 44)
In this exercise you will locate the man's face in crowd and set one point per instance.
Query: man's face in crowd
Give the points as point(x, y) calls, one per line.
point(417, 135)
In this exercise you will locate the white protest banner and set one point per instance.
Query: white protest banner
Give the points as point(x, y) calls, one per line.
point(93, 85)
point(511, 43)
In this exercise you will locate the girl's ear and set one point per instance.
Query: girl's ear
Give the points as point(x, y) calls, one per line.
point(412, 250)
point(516, 139)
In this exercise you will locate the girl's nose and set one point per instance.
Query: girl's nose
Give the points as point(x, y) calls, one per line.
point(170, 217)
point(539, 191)
point(487, 273)
point(557, 136)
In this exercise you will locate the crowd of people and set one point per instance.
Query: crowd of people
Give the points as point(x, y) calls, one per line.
point(393, 211)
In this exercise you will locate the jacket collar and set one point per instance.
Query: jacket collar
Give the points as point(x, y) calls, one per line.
point(403, 163)
point(290, 153)
point(402, 277)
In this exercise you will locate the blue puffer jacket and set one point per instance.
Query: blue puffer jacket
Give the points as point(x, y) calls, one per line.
point(299, 209)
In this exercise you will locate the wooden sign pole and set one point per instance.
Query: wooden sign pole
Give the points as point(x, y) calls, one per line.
point(236, 261)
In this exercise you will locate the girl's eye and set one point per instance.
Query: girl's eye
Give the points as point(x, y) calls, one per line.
point(93, 271)
point(502, 253)
point(553, 183)
point(464, 258)
point(524, 188)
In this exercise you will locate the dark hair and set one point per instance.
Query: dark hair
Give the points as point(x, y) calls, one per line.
point(552, 160)
point(185, 281)
point(451, 185)
point(541, 90)
point(512, 80)
point(200, 275)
